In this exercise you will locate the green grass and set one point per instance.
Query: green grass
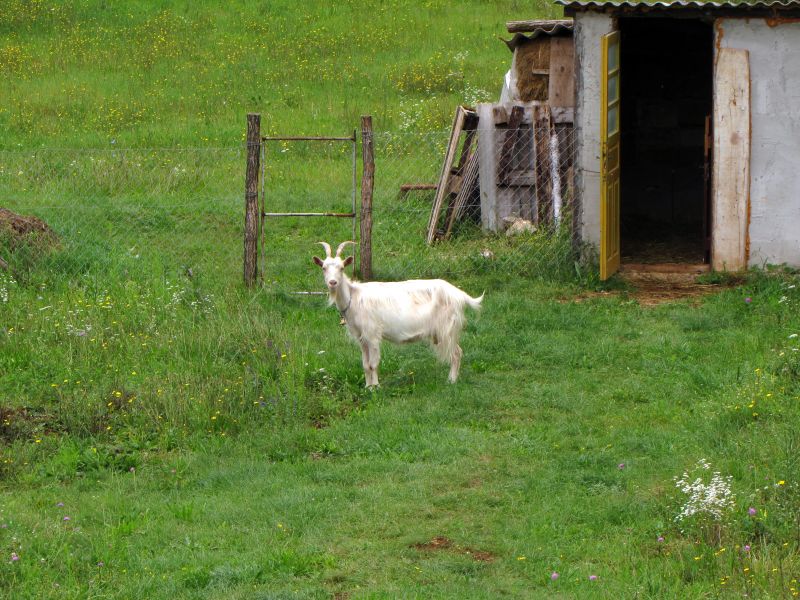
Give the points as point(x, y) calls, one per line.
point(231, 465)
point(144, 74)
point(207, 441)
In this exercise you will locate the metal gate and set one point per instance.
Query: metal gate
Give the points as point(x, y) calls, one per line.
point(312, 177)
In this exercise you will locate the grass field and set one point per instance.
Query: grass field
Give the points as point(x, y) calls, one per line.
point(165, 433)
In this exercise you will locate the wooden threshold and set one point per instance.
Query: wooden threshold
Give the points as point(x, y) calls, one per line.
point(665, 268)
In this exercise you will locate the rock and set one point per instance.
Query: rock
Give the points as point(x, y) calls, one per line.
point(517, 225)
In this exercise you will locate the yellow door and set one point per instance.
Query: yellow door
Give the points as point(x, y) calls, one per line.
point(609, 153)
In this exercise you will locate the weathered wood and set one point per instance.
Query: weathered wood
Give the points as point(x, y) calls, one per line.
point(664, 268)
point(442, 189)
point(555, 175)
point(410, 187)
point(487, 166)
point(731, 188)
point(469, 183)
point(251, 199)
point(466, 149)
point(532, 25)
point(561, 92)
point(542, 170)
point(367, 183)
point(510, 140)
point(562, 115)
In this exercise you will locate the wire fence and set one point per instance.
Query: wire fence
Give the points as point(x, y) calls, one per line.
point(109, 212)
point(72, 213)
point(515, 224)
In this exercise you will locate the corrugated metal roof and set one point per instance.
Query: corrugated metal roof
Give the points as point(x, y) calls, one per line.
point(537, 29)
point(683, 4)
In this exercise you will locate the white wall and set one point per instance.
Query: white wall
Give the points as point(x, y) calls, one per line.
point(775, 141)
point(589, 27)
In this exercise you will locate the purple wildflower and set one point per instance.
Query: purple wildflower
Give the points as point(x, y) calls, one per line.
point(554, 576)
point(14, 556)
point(752, 511)
point(592, 577)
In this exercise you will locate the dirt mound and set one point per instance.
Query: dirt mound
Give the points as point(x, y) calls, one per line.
point(17, 231)
point(442, 543)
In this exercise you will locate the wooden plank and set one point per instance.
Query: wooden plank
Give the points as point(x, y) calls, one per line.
point(411, 187)
point(470, 180)
point(509, 144)
point(561, 92)
point(665, 268)
point(251, 199)
point(562, 115)
point(543, 189)
point(731, 177)
point(487, 167)
point(441, 191)
point(532, 25)
point(466, 149)
point(367, 182)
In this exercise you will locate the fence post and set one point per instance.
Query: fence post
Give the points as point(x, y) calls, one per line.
point(367, 182)
point(251, 199)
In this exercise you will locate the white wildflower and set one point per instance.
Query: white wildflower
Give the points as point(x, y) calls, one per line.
point(713, 497)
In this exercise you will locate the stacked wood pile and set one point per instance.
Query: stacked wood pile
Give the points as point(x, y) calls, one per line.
point(525, 158)
point(458, 182)
point(515, 157)
point(515, 161)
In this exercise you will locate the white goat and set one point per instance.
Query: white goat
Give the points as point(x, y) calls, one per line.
point(401, 312)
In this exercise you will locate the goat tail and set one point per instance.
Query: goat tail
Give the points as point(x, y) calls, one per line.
point(474, 303)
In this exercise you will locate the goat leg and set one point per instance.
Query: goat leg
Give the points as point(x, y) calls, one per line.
point(455, 363)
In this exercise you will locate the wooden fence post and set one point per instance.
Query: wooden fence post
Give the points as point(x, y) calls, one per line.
point(251, 215)
point(367, 182)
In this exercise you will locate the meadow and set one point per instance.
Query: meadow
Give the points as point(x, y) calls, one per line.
point(167, 433)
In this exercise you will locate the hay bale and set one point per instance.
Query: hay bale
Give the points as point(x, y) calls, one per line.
point(531, 60)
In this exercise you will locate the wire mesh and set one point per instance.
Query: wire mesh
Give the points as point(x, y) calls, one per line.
point(143, 212)
point(151, 212)
point(532, 234)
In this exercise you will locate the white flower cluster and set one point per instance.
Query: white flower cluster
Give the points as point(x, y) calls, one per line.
point(183, 296)
point(705, 497)
point(6, 281)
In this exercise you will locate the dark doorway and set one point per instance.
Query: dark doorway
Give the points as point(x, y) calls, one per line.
point(666, 68)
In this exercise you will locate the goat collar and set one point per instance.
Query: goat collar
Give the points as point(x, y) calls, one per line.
point(346, 308)
point(343, 311)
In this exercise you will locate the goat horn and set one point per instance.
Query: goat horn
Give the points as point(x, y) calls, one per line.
point(327, 247)
point(342, 245)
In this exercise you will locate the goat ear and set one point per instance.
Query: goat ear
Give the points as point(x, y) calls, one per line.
point(348, 261)
point(318, 260)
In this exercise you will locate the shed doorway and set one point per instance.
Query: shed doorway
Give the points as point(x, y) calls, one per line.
point(667, 95)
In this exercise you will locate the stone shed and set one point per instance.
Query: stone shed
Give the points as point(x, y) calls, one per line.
point(687, 120)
